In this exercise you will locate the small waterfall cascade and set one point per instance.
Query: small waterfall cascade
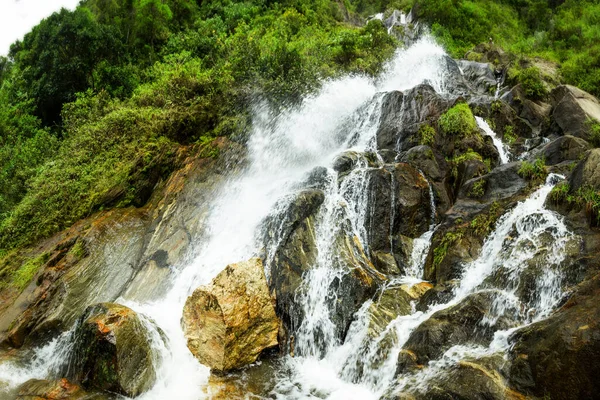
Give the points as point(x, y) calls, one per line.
point(422, 244)
point(502, 150)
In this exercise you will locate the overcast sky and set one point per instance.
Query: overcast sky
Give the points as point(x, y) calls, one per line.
point(17, 17)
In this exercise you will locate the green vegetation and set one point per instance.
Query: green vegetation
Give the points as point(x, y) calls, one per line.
point(594, 127)
point(559, 193)
point(585, 197)
point(96, 103)
point(509, 135)
point(459, 121)
point(449, 239)
point(566, 32)
point(426, 135)
point(478, 188)
point(484, 224)
point(22, 276)
point(535, 171)
point(469, 155)
point(531, 82)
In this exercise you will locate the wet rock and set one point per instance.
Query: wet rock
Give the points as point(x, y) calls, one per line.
point(349, 160)
point(255, 381)
point(291, 252)
point(403, 113)
point(587, 172)
point(402, 251)
point(112, 351)
point(560, 356)
point(37, 389)
point(502, 184)
point(385, 263)
point(459, 249)
point(455, 325)
point(535, 114)
point(480, 76)
point(573, 108)
point(564, 148)
point(358, 283)
point(231, 321)
point(439, 294)
point(471, 379)
point(398, 204)
point(423, 158)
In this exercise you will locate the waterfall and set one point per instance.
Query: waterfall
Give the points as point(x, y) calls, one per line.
point(283, 149)
point(502, 151)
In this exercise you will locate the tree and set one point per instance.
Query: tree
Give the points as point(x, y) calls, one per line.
point(58, 58)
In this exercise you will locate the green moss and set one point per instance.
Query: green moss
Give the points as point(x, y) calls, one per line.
point(22, 276)
point(469, 155)
point(496, 106)
point(483, 224)
point(78, 250)
point(478, 189)
point(458, 120)
point(426, 135)
point(509, 135)
point(535, 171)
point(441, 251)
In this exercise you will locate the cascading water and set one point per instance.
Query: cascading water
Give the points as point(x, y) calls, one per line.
point(502, 151)
point(283, 150)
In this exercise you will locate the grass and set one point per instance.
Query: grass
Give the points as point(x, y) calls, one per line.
point(441, 251)
point(535, 171)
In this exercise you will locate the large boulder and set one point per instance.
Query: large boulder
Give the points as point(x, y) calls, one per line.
point(573, 108)
point(564, 148)
point(231, 321)
point(403, 113)
point(112, 351)
point(62, 389)
point(559, 357)
point(291, 251)
point(587, 172)
point(481, 76)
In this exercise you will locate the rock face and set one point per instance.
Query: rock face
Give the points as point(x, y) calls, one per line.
point(123, 252)
point(458, 324)
point(403, 113)
point(231, 321)
point(558, 357)
point(572, 109)
point(112, 351)
point(587, 172)
point(564, 148)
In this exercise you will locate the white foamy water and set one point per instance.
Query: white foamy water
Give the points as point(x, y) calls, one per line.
point(502, 150)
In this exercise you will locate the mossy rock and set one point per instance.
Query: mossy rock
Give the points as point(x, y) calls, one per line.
point(112, 351)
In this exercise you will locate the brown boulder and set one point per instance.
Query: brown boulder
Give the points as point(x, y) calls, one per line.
point(112, 351)
point(231, 321)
